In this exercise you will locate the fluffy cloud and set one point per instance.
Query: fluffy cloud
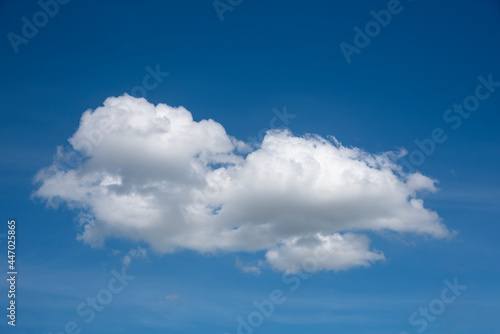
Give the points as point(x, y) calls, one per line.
point(331, 252)
point(153, 174)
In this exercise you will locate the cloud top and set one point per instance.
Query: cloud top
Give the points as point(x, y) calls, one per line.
point(153, 174)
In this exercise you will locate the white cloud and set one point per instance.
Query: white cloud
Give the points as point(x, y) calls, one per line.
point(254, 270)
point(152, 173)
point(319, 252)
point(139, 253)
point(171, 298)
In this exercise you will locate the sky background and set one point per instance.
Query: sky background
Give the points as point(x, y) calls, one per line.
point(260, 57)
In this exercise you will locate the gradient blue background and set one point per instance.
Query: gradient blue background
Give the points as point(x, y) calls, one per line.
point(264, 55)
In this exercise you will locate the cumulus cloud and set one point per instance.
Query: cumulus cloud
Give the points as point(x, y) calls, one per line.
point(153, 174)
point(331, 252)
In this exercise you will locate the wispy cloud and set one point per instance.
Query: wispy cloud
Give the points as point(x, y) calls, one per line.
point(247, 268)
point(138, 253)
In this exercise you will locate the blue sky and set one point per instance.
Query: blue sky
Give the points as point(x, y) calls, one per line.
point(240, 71)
